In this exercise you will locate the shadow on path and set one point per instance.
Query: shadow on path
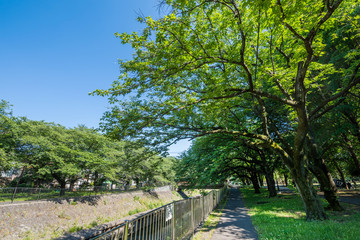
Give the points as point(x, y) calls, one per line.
point(347, 196)
point(234, 222)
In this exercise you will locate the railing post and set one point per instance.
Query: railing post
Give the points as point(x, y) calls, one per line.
point(173, 221)
point(126, 229)
point(192, 215)
point(212, 200)
point(202, 208)
point(39, 193)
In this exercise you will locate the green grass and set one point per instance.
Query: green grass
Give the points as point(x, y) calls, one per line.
point(75, 228)
point(206, 231)
point(135, 211)
point(283, 217)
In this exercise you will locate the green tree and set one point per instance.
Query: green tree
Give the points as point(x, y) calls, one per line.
point(8, 133)
point(214, 159)
point(204, 59)
point(143, 165)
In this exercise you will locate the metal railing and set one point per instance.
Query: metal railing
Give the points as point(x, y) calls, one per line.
point(176, 220)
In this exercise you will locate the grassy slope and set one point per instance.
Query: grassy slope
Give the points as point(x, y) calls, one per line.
point(90, 218)
point(283, 217)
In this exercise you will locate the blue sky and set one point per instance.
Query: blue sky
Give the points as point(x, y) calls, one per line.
point(54, 52)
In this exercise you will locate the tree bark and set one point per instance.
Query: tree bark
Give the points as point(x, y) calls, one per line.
point(17, 184)
point(269, 175)
point(353, 120)
point(261, 180)
point(313, 207)
point(243, 181)
point(96, 181)
point(319, 168)
point(255, 182)
point(137, 181)
point(353, 155)
point(286, 179)
point(62, 183)
point(62, 188)
point(326, 181)
point(271, 184)
point(341, 175)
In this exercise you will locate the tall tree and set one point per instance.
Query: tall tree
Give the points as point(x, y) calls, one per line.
point(8, 132)
point(195, 66)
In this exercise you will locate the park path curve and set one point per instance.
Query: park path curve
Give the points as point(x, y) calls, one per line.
point(234, 223)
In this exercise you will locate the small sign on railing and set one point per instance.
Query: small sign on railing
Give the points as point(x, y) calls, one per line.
point(169, 212)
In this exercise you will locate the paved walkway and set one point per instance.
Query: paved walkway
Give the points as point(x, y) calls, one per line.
point(347, 196)
point(350, 198)
point(234, 223)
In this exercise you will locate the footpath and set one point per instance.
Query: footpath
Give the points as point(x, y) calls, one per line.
point(347, 196)
point(234, 223)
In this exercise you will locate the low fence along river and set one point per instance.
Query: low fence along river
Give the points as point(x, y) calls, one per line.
point(174, 221)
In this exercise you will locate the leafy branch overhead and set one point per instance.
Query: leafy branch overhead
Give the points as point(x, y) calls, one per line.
point(200, 60)
point(256, 70)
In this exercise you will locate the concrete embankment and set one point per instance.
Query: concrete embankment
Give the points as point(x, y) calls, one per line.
point(55, 217)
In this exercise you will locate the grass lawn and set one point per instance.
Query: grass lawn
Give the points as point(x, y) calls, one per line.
point(283, 217)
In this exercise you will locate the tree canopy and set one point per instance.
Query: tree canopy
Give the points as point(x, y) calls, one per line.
point(261, 71)
point(46, 151)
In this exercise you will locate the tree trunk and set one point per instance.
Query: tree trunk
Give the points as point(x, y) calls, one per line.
point(269, 175)
point(271, 184)
point(296, 163)
point(261, 180)
point(319, 168)
point(137, 181)
point(17, 184)
point(255, 182)
point(354, 182)
point(313, 207)
point(243, 181)
point(62, 188)
point(286, 179)
point(341, 175)
point(127, 184)
point(277, 183)
point(96, 181)
point(326, 181)
point(354, 121)
point(353, 155)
